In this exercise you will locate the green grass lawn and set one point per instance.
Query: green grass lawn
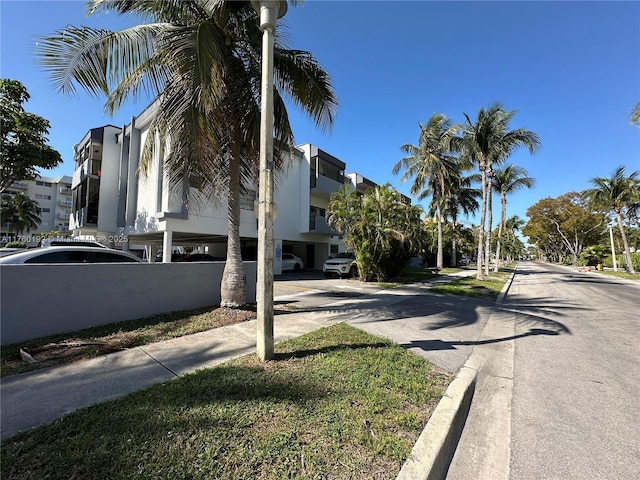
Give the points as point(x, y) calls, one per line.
point(336, 403)
point(490, 287)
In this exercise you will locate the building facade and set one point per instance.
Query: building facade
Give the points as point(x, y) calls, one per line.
point(118, 204)
point(53, 195)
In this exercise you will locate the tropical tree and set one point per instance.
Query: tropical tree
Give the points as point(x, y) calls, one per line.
point(201, 61)
point(616, 194)
point(379, 227)
point(433, 167)
point(506, 181)
point(21, 212)
point(24, 137)
point(485, 142)
point(463, 198)
point(564, 226)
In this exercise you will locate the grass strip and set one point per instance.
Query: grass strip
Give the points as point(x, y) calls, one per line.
point(490, 287)
point(336, 403)
point(91, 342)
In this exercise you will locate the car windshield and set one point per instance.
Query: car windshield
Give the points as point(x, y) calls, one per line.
point(344, 255)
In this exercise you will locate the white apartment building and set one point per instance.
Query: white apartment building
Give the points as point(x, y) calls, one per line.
point(54, 198)
point(114, 201)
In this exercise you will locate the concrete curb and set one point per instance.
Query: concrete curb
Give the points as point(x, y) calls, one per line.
point(432, 453)
point(434, 449)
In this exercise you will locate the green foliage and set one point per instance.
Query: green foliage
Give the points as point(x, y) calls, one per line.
point(16, 245)
point(591, 255)
point(21, 212)
point(24, 137)
point(379, 227)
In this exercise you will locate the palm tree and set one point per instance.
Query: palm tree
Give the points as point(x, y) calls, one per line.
point(485, 142)
point(512, 225)
point(463, 199)
point(506, 181)
point(201, 61)
point(432, 166)
point(617, 193)
point(21, 212)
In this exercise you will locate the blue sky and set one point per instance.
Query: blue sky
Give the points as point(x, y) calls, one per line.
point(570, 69)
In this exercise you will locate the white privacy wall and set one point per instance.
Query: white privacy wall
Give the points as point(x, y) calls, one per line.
point(40, 300)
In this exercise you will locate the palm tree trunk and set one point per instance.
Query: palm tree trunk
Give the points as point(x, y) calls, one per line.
point(503, 214)
point(627, 253)
point(233, 289)
point(454, 244)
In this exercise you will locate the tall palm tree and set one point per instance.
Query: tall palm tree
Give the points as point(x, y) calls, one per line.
point(506, 181)
point(618, 194)
point(201, 61)
point(21, 212)
point(433, 167)
point(463, 199)
point(487, 141)
point(635, 115)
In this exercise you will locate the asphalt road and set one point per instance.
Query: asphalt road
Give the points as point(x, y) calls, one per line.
point(576, 394)
point(558, 394)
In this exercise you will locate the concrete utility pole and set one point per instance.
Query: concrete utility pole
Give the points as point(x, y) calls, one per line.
point(269, 11)
point(613, 250)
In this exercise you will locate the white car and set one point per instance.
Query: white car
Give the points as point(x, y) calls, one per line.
point(69, 254)
point(291, 262)
point(343, 265)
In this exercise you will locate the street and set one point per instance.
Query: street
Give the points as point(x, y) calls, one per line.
point(558, 394)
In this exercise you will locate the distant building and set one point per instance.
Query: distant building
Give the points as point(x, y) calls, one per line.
point(54, 198)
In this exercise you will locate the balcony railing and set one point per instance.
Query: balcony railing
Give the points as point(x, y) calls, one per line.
point(65, 190)
point(23, 185)
point(318, 224)
point(64, 216)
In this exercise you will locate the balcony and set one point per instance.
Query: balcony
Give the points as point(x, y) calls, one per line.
point(22, 185)
point(65, 190)
point(64, 216)
point(324, 186)
point(318, 224)
point(65, 203)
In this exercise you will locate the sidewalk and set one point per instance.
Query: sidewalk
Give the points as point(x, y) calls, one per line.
point(33, 399)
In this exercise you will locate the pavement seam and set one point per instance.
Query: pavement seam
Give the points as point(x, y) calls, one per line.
point(158, 362)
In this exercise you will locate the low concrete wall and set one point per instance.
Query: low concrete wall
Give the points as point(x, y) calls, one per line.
point(39, 300)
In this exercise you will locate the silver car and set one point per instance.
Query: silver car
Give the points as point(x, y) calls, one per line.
point(69, 254)
point(343, 265)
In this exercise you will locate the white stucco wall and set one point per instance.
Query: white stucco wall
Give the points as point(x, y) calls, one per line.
point(40, 300)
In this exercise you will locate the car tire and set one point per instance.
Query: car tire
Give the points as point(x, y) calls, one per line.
point(353, 272)
point(296, 267)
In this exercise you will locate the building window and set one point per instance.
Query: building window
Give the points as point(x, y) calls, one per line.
point(39, 196)
point(44, 184)
point(45, 210)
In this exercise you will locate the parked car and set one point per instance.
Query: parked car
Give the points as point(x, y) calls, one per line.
point(292, 262)
point(69, 254)
point(343, 265)
point(200, 257)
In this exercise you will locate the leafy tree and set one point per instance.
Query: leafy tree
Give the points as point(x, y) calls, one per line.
point(201, 60)
point(563, 226)
point(617, 194)
point(487, 141)
point(379, 227)
point(506, 181)
point(21, 212)
point(24, 137)
point(432, 166)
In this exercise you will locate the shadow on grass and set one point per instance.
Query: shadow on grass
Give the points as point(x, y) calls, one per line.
point(282, 356)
